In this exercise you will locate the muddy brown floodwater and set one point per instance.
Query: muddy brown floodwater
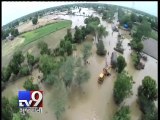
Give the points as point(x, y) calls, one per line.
point(93, 102)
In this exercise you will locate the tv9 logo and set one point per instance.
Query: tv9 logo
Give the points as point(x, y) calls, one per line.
point(30, 99)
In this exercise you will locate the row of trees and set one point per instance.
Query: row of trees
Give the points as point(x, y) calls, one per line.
point(63, 71)
point(130, 19)
point(63, 75)
point(98, 31)
point(147, 94)
point(122, 90)
point(108, 14)
point(144, 29)
point(15, 66)
point(35, 20)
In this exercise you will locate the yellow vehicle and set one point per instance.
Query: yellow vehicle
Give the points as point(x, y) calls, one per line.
point(102, 75)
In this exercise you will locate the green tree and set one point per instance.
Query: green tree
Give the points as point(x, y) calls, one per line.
point(121, 63)
point(47, 64)
point(34, 20)
point(78, 35)
point(6, 73)
point(82, 75)
point(14, 104)
point(139, 47)
point(92, 19)
point(60, 99)
point(19, 116)
point(78, 62)
point(44, 48)
point(152, 115)
point(30, 59)
point(133, 17)
point(14, 67)
point(51, 78)
point(68, 47)
point(18, 57)
point(125, 19)
point(122, 87)
point(101, 32)
point(62, 43)
point(67, 71)
point(4, 34)
point(14, 32)
point(83, 30)
point(61, 51)
point(6, 111)
point(93, 26)
point(144, 29)
point(135, 58)
point(86, 51)
point(24, 70)
point(149, 88)
point(146, 106)
point(69, 36)
point(140, 18)
point(122, 114)
point(147, 94)
point(28, 85)
point(100, 48)
point(104, 17)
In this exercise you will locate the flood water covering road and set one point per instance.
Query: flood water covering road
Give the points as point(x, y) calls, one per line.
point(95, 102)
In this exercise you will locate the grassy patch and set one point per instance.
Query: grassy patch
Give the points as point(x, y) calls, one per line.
point(43, 31)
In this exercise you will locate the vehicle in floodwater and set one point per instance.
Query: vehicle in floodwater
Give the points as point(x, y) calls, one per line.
point(105, 73)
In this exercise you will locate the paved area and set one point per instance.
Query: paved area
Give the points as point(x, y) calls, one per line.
point(151, 47)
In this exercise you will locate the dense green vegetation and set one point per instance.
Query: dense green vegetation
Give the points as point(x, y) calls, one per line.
point(121, 63)
point(147, 94)
point(122, 114)
point(43, 31)
point(10, 110)
point(12, 31)
point(135, 58)
point(28, 85)
point(34, 20)
point(122, 87)
point(100, 48)
point(86, 51)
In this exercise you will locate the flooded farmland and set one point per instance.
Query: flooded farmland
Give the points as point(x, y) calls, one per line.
point(95, 102)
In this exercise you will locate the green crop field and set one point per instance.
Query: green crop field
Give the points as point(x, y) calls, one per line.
point(43, 31)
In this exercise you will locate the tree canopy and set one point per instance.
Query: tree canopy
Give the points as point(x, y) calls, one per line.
point(121, 63)
point(34, 20)
point(100, 48)
point(86, 51)
point(122, 87)
point(122, 114)
point(28, 85)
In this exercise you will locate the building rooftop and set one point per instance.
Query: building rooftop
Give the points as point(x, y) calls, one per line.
point(150, 47)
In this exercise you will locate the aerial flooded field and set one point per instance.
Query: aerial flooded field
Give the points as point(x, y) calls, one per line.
point(92, 101)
